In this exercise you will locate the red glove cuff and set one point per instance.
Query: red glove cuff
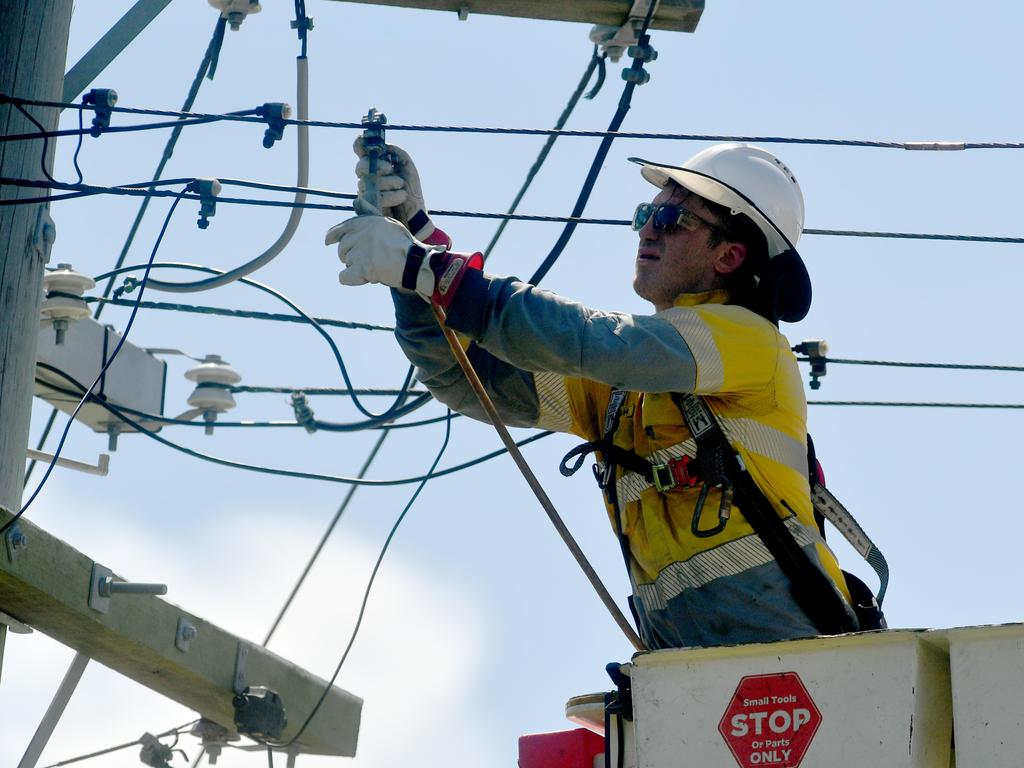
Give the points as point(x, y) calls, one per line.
point(449, 269)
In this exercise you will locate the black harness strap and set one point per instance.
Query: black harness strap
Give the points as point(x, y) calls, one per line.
point(811, 587)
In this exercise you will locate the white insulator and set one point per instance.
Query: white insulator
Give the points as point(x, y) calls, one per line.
point(65, 280)
point(213, 370)
point(235, 11)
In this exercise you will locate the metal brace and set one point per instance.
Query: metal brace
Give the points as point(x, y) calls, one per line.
point(43, 235)
point(16, 541)
point(241, 657)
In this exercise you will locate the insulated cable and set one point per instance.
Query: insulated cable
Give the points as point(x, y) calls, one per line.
point(902, 364)
point(369, 584)
point(300, 475)
point(102, 372)
point(914, 146)
point(171, 732)
point(302, 90)
point(380, 417)
point(207, 67)
point(595, 59)
point(887, 404)
point(88, 189)
point(327, 533)
point(637, 70)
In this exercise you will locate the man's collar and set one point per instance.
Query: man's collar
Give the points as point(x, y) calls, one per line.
point(717, 296)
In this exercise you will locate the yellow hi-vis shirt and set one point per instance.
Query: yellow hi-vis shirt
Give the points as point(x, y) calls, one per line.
point(749, 377)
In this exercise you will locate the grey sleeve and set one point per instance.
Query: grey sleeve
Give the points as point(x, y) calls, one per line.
point(511, 389)
point(540, 331)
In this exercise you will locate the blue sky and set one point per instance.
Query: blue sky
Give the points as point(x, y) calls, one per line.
point(480, 626)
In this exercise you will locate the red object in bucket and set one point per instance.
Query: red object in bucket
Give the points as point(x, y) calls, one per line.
point(561, 749)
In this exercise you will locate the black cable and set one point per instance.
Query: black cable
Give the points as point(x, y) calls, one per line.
point(248, 314)
point(382, 417)
point(571, 220)
point(207, 67)
point(901, 364)
point(42, 135)
point(542, 156)
point(326, 535)
point(369, 584)
point(139, 427)
point(302, 25)
point(78, 148)
point(157, 421)
point(928, 145)
point(602, 153)
point(100, 375)
point(171, 732)
point(887, 404)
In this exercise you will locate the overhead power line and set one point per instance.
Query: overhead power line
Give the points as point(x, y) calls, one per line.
point(887, 404)
point(89, 189)
point(904, 364)
point(933, 145)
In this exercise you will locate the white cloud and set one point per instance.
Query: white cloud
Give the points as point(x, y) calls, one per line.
point(414, 664)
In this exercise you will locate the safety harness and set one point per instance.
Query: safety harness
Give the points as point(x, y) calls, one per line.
point(710, 459)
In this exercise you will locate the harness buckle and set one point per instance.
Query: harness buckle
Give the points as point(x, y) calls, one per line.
point(674, 474)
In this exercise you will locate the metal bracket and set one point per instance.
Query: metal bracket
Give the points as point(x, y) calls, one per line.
point(43, 235)
point(14, 625)
point(101, 468)
point(98, 602)
point(240, 659)
point(185, 634)
point(16, 542)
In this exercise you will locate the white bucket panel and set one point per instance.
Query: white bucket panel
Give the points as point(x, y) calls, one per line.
point(987, 667)
point(879, 699)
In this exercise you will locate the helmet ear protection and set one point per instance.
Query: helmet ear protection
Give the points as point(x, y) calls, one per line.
point(752, 181)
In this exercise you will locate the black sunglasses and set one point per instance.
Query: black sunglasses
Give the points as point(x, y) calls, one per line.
point(669, 218)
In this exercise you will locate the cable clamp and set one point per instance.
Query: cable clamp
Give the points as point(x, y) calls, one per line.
point(613, 40)
point(275, 113)
point(302, 25)
point(207, 189)
point(817, 355)
point(303, 413)
point(102, 100)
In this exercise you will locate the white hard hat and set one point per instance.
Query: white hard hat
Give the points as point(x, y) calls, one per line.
point(752, 181)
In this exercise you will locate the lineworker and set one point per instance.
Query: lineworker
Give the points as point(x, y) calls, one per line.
point(717, 260)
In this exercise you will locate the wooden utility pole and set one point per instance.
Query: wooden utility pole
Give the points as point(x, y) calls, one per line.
point(33, 49)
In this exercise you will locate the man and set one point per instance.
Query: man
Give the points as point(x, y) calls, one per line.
point(716, 258)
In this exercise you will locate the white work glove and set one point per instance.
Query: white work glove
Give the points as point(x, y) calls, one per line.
point(401, 194)
point(375, 249)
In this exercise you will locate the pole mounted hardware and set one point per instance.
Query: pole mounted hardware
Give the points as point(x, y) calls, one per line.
point(154, 753)
point(104, 584)
point(259, 713)
point(275, 113)
point(303, 412)
point(236, 11)
point(103, 99)
point(641, 53)
point(214, 737)
point(373, 142)
point(16, 542)
point(63, 303)
point(212, 395)
point(816, 351)
point(185, 634)
point(207, 189)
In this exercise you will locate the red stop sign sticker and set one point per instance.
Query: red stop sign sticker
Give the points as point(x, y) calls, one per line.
point(770, 721)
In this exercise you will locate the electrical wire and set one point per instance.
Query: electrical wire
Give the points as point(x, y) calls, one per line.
point(88, 189)
point(924, 145)
point(100, 753)
point(292, 224)
point(902, 364)
point(142, 428)
point(247, 314)
point(637, 70)
point(327, 534)
point(887, 404)
point(382, 417)
point(100, 375)
point(207, 68)
point(42, 135)
point(542, 156)
point(369, 584)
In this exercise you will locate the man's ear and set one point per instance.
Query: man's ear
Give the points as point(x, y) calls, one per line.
point(730, 257)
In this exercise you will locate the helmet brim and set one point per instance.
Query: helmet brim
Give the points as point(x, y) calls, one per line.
point(788, 281)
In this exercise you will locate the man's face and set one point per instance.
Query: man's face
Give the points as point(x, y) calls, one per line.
point(671, 263)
